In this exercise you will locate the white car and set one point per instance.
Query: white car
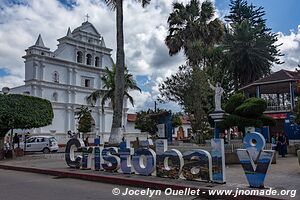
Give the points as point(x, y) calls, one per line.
point(45, 144)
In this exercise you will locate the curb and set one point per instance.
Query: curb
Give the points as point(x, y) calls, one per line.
point(128, 182)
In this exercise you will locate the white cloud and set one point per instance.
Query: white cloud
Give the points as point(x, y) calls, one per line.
point(144, 28)
point(140, 99)
point(290, 48)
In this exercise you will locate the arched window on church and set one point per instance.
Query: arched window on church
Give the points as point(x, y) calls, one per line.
point(55, 77)
point(97, 64)
point(88, 59)
point(55, 96)
point(79, 57)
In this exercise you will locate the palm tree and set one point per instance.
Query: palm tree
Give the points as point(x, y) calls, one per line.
point(193, 29)
point(109, 87)
point(116, 129)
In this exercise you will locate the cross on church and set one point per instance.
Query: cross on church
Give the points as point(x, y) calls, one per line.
point(87, 17)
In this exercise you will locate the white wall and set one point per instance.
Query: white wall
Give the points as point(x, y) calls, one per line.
point(106, 61)
point(50, 69)
point(130, 128)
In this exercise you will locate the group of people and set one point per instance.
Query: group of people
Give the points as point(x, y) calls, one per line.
point(15, 140)
point(280, 143)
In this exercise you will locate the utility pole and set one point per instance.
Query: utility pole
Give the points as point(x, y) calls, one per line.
point(155, 104)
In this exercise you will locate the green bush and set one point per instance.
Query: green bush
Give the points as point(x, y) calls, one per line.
point(246, 112)
point(241, 122)
point(233, 102)
point(252, 108)
point(24, 112)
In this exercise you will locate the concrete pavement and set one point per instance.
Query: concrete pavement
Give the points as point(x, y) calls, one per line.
point(283, 175)
point(29, 186)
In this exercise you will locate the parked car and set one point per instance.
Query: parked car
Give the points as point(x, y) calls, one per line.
point(45, 144)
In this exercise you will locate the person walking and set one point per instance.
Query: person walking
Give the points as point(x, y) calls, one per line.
point(283, 144)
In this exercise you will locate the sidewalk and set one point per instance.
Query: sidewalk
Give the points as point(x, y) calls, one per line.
point(283, 175)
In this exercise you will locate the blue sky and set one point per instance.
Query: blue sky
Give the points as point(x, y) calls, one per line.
point(3, 72)
point(281, 15)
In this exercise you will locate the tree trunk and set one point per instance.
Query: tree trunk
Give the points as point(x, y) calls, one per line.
point(116, 129)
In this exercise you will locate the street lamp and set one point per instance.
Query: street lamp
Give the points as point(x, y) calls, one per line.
point(5, 90)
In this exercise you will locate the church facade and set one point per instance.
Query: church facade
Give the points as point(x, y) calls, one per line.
point(67, 76)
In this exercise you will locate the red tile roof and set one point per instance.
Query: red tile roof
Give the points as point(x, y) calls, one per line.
point(276, 77)
point(131, 117)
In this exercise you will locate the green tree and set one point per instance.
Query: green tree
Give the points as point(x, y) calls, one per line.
point(193, 29)
point(249, 44)
point(23, 112)
point(116, 130)
point(147, 121)
point(176, 119)
point(107, 93)
point(85, 119)
point(189, 88)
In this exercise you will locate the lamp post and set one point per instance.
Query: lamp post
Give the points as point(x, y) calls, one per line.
point(5, 90)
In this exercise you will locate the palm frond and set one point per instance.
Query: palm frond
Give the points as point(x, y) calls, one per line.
point(111, 4)
point(129, 97)
point(144, 2)
point(92, 99)
point(105, 98)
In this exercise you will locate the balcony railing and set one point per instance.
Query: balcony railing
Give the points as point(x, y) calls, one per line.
point(279, 108)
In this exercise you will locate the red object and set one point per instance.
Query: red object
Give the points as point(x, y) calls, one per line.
point(131, 117)
point(277, 115)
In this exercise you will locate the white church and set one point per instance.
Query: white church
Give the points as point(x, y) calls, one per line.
point(67, 76)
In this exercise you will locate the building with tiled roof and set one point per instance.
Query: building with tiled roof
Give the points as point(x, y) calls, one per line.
point(279, 89)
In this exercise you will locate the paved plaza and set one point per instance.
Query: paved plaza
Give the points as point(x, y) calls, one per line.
point(283, 175)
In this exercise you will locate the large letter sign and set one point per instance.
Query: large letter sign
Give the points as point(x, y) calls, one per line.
point(163, 159)
point(254, 159)
point(195, 165)
point(72, 146)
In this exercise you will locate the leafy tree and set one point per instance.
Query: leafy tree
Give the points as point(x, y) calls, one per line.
point(108, 91)
point(193, 29)
point(189, 88)
point(116, 130)
point(85, 119)
point(246, 112)
point(23, 112)
point(147, 121)
point(249, 44)
point(176, 119)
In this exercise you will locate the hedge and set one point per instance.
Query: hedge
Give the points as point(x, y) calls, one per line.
point(19, 111)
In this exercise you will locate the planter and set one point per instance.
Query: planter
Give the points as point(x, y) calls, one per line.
point(19, 152)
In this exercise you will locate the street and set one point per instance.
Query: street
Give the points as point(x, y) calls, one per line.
point(16, 185)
